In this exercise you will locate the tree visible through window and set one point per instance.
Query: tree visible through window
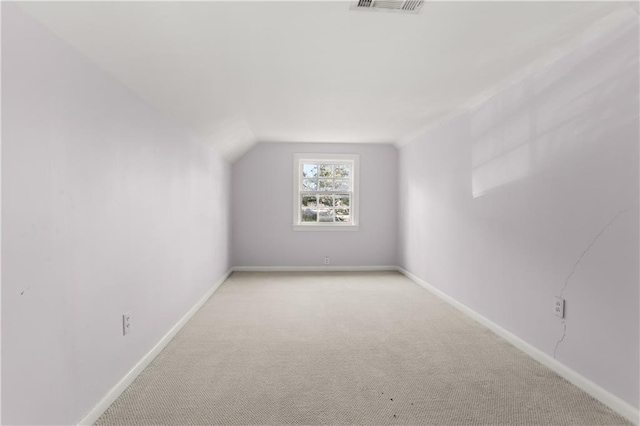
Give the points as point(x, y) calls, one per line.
point(325, 190)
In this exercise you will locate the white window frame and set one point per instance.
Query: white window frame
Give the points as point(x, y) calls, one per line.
point(354, 210)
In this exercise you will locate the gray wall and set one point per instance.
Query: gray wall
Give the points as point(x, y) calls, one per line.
point(535, 191)
point(262, 210)
point(106, 207)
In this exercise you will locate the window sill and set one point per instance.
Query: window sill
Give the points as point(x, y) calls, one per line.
point(330, 228)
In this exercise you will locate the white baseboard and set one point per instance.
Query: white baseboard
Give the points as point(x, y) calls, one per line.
point(607, 398)
point(93, 415)
point(327, 268)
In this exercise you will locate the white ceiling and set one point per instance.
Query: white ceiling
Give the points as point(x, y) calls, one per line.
point(238, 72)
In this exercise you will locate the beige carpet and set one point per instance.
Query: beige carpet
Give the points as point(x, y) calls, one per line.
point(344, 348)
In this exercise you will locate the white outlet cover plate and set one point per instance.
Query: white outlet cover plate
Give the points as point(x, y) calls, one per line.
point(558, 307)
point(126, 323)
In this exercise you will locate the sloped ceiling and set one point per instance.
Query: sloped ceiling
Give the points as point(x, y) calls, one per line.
point(234, 73)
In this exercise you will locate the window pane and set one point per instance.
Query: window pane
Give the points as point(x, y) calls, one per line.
point(342, 215)
point(325, 190)
point(341, 185)
point(309, 215)
point(342, 200)
point(326, 201)
point(310, 170)
point(310, 201)
point(326, 170)
point(326, 215)
point(341, 171)
point(326, 184)
point(309, 184)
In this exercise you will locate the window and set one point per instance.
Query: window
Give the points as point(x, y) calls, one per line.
point(325, 192)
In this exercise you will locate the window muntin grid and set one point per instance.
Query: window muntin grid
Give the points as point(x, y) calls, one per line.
point(325, 191)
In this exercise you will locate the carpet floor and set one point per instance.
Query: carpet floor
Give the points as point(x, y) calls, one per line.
point(370, 348)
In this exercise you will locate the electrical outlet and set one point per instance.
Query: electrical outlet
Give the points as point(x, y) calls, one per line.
point(126, 323)
point(326, 260)
point(558, 307)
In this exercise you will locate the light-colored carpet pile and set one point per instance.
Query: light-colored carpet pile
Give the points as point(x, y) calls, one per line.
point(344, 348)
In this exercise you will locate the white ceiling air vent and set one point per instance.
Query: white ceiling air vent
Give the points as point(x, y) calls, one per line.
point(401, 6)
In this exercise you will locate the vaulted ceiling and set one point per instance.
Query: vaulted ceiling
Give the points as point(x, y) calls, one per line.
point(237, 72)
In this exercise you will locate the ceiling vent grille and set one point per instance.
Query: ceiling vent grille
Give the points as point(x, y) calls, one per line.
point(402, 6)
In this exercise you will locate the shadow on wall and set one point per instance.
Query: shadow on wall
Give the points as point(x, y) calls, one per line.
point(532, 125)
